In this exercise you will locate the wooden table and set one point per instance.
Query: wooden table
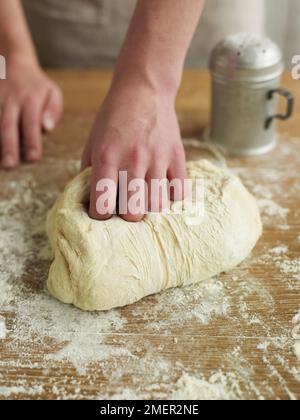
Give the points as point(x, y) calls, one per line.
point(235, 337)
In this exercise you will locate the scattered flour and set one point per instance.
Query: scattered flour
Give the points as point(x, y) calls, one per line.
point(296, 327)
point(124, 395)
point(203, 304)
point(191, 388)
point(274, 372)
point(284, 263)
point(264, 184)
point(270, 208)
point(218, 387)
point(263, 346)
point(80, 332)
point(279, 250)
point(296, 319)
point(21, 390)
point(2, 328)
point(87, 349)
point(297, 350)
point(290, 267)
point(262, 191)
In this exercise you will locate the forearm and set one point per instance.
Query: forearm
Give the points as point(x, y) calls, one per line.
point(157, 42)
point(15, 38)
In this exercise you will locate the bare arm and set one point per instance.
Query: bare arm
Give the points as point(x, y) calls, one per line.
point(136, 129)
point(28, 98)
point(157, 41)
point(14, 34)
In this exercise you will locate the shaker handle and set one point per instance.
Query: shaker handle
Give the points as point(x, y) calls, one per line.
point(290, 106)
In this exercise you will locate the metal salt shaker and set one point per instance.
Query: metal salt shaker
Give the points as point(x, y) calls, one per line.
point(246, 71)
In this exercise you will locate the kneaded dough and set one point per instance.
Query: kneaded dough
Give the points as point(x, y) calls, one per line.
point(99, 265)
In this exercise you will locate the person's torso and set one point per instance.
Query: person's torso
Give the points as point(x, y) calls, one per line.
point(89, 33)
point(78, 33)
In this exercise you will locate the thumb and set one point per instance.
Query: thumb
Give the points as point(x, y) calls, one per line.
point(53, 109)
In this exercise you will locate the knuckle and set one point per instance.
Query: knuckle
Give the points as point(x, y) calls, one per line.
point(138, 155)
point(30, 123)
point(9, 147)
point(178, 152)
point(158, 157)
point(57, 92)
point(32, 140)
point(107, 155)
point(6, 126)
point(16, 97)
point(32, 103)
point(8, 130)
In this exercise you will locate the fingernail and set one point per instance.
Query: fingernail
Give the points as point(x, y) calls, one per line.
point(32, 154)
point(48, 122)
point(8, 161)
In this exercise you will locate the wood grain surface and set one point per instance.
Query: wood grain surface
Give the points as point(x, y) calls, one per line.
point(235, 337)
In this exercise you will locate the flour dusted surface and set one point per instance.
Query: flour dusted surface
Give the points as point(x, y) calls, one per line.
point(236, 332)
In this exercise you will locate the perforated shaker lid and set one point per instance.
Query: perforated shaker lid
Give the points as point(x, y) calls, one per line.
point(246, 57)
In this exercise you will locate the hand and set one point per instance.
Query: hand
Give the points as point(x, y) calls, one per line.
point(136, 131)
point(29, 103)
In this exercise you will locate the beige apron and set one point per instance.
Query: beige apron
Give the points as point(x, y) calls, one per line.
point(89, 33)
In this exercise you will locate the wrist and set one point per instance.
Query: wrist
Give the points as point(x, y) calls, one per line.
point(18, 51)
point(21, 59)
point(146, 77)
point(137, 86)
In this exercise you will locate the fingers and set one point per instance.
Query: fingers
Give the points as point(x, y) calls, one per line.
point(158, 196)
point(104, 189)
point(104, 186)
point(132, 195)
point(53, 109)
point(9, 135)
point(31, 128)
point(177, 175)
point(41, 112)
point(139, 188)
point(33, 114)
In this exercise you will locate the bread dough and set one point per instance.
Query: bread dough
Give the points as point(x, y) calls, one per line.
point(100, 265)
